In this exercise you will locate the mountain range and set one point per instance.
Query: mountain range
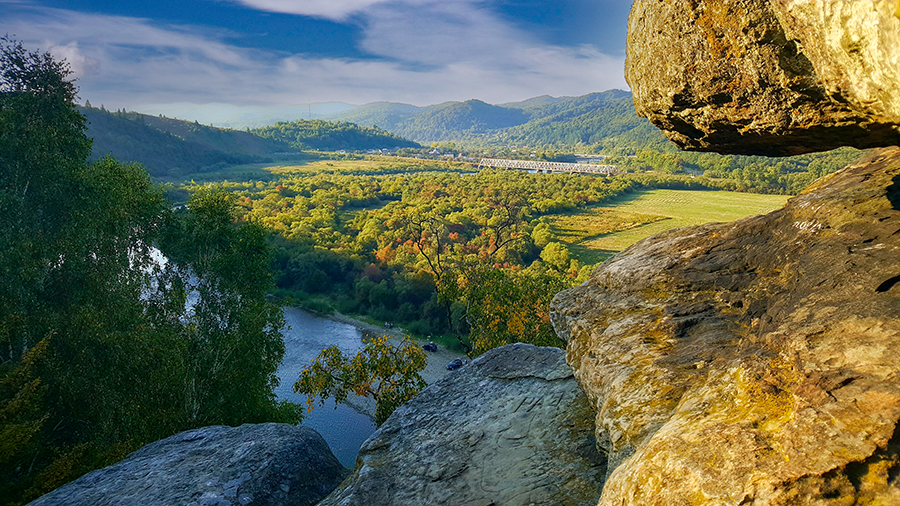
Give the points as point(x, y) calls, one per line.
point(598, 121)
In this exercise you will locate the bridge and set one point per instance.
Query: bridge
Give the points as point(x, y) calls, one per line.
point(548, 167)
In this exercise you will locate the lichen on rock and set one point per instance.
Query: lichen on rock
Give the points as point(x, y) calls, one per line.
point(751, 362)
point(511, 428)
point(268, 464)
point(767, 77)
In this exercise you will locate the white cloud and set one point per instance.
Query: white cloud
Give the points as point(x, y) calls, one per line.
point(439, 52)
point(337, 10)
point(81, 64)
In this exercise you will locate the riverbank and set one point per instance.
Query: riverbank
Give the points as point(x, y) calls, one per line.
point(435, 369)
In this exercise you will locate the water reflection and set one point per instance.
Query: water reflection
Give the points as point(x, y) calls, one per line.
point(306, 335)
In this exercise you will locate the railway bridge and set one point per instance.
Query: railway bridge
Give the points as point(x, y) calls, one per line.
point(548, 167)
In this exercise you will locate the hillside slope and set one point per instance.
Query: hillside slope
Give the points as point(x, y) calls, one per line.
point(606, 121)
point(172, 148)
point(168, 147)
point(332, 136)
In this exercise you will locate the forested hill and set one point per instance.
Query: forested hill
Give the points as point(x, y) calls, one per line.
point(599, 121)
point(169, 147)
point(332, 136)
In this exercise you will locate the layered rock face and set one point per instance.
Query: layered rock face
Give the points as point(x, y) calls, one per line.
point(266, 464)
point(769, 77)
point(510, 428)
point(754, 362)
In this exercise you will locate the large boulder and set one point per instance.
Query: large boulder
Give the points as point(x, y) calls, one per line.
point(769, 77)
point(511, 428)
point(265, 464)
point(753, 362)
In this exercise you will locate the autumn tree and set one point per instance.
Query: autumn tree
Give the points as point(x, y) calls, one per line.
point(386, 373)
point(505, 308)
point(430, 235)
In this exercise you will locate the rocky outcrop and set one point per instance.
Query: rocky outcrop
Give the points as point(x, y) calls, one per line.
point(753, 362)
point(266, 464)
point(510, 428)
point(771, 77)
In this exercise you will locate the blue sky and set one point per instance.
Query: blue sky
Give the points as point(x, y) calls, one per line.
point(153, 53)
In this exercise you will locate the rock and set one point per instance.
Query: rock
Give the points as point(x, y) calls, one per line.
point(753, 362)
point(265, 464)
point(768, 77)
point(511, 428)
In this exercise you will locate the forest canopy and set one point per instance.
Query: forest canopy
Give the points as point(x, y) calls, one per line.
point(107, 344)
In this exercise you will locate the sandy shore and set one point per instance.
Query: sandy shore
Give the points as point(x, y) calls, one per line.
point(435, 370)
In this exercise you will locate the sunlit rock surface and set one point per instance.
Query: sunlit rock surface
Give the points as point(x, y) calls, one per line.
point(510, 428)
point(767, 77)
point(754, 362)
point(267, 464)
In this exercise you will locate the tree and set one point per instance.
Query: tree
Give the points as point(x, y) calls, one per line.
point(507, 308)
point(220, 269)
point(387, 374)
point(75, 350)
point(557, 255)
point(42, 153)
point(430, 235)
point(541, 234)
point(100, 353)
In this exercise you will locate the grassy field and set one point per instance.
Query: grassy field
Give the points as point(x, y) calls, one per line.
point(319, 163)
point(600, 232)
point(371, 165)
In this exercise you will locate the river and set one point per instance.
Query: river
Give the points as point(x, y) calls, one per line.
point(305, 335)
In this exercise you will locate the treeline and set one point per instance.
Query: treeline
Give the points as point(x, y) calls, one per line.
point(332, 136)
point(170, 148)
point(386, 244)
point(418, 242)
point(756, 174)
point(600, 123)
point(106, 343)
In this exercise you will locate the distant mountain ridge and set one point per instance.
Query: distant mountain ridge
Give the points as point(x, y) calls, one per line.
point(599, 121)
point(241, 117)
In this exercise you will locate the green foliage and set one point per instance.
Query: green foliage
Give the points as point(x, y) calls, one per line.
point(557, 255)
point(507, 307)
point(390, 238)
point(541, 234)
point(101, 351)
point(387, 374)
point(170, 148)
point(332, 136)
point(230, 331)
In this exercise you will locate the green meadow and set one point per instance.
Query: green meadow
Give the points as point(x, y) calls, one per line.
point(602, 231)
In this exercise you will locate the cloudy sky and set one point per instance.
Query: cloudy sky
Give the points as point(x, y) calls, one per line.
point(282, 52)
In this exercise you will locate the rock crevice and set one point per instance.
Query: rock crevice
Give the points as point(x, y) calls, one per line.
point(751, 361)
point(512, 427)
point(767, 77)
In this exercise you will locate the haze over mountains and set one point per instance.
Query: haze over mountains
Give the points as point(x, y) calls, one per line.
point(540, 121)
point(547, 121)
point(597, 122)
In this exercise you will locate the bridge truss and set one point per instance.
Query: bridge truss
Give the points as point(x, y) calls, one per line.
point(548, 167)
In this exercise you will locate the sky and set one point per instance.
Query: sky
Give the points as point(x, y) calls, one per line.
point(141, 55)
